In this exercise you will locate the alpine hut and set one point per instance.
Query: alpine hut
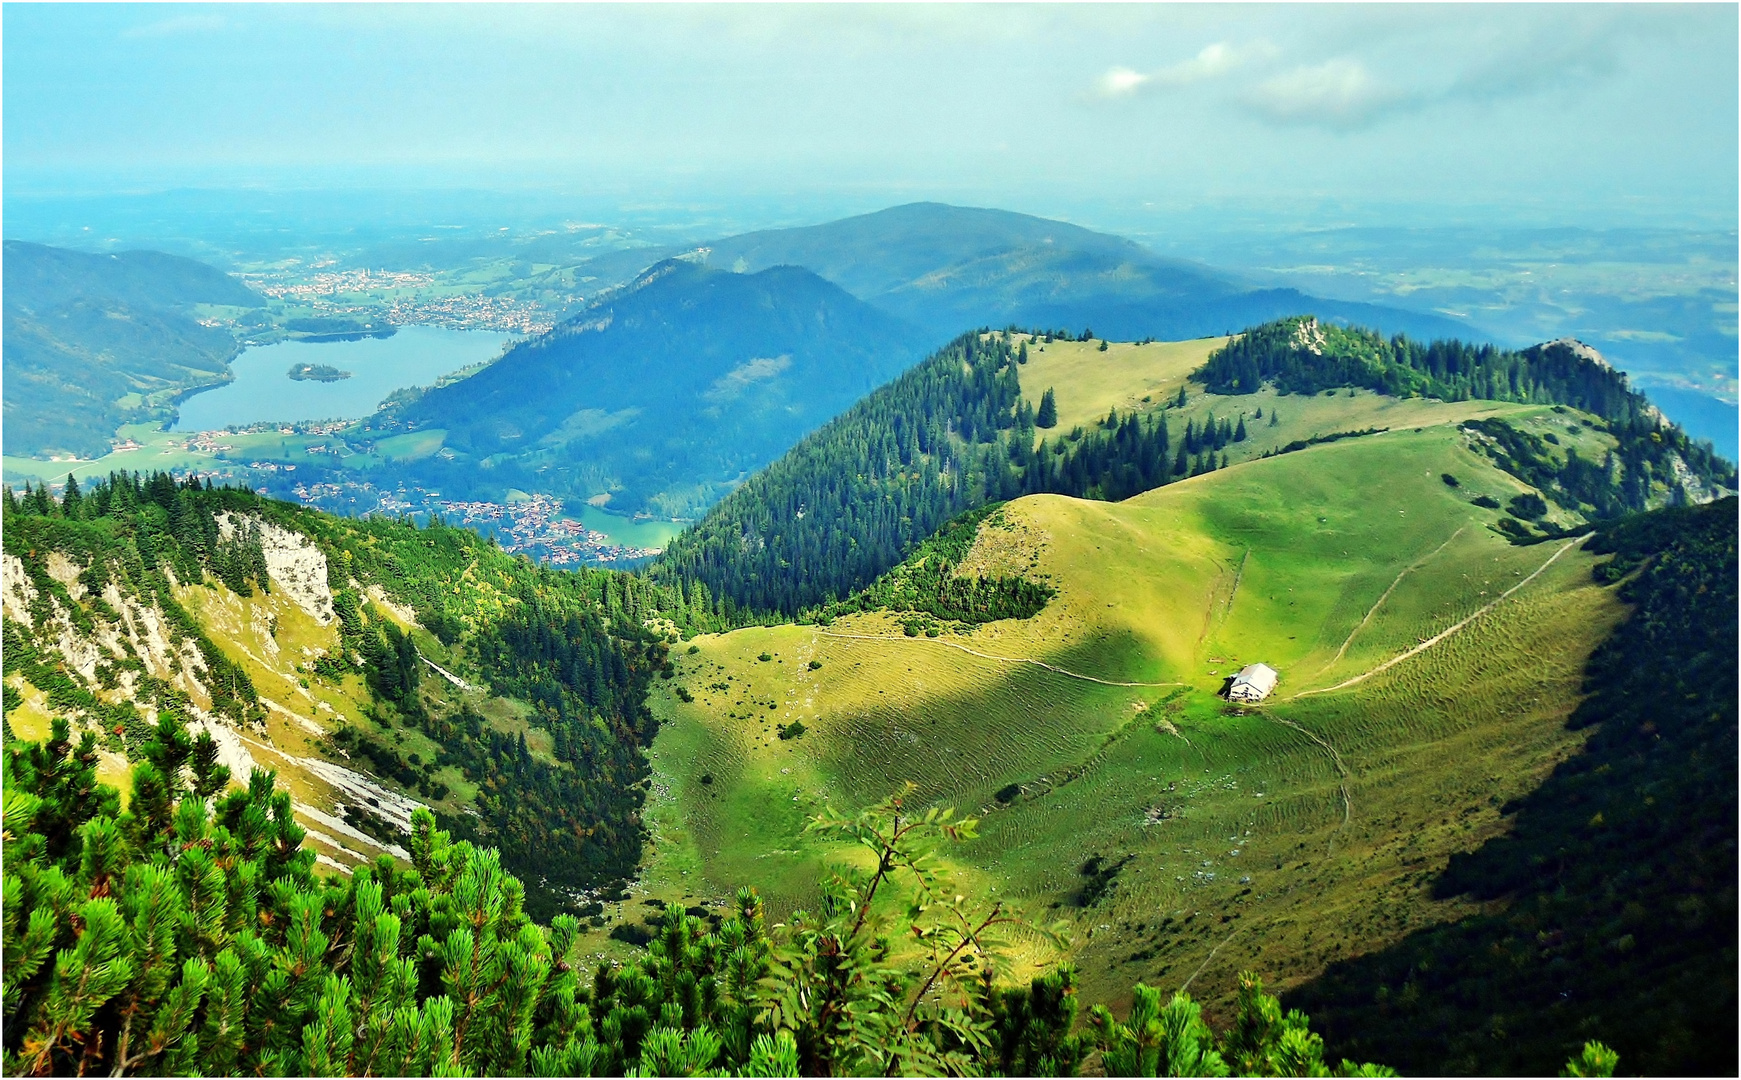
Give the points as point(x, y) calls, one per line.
point(1253, 683)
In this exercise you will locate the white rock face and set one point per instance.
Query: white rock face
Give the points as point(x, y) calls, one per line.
point(81, 653)
point(16, 591)
point(235, 752)
point(294, 564)
point(378, 595)
point(1697, 493)
point(67, 572)
point(1580, 350)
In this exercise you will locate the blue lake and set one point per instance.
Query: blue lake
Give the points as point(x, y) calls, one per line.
point(263, 389)
point(1703, 416)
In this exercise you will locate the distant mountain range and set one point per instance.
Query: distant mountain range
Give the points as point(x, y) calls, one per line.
point(667, 392)
point(96, 341)
point(686, 369)
point(949, 269)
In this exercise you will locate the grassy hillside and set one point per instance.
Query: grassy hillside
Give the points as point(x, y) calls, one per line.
point(1610, 904)
point(1179, 837)
point(96, 341)
point(1089, 382)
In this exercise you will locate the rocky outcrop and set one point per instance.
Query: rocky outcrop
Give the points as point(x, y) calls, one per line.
point(294, 564)
point(17, 592)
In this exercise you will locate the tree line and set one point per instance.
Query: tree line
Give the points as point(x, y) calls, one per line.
point(1303, 356)
point(856, 497)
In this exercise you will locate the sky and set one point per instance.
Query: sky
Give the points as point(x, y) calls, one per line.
point(1551, 114)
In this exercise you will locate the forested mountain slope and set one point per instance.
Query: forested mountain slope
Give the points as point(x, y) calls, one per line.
point(377, 666)
point(95, 341)
point(663, 394)
point(959, 430)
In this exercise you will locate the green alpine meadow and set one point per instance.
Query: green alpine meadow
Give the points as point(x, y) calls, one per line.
point(1135, 540)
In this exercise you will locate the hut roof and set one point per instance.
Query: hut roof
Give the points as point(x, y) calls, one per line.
point(1253, 683)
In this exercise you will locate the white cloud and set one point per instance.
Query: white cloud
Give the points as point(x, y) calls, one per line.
point(1338, 93)
point(1121, 81)
point(1212, 62)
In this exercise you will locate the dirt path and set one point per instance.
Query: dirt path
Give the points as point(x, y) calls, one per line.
point(1447, 632)
point(1237, 575)
point(987, 656)
point(1206, 960)
point(1406, 571)
point(1341, 770)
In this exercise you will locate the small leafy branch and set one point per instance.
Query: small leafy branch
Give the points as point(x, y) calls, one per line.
point(866, 993)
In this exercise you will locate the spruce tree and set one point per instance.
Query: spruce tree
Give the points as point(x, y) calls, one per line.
point(1047, 416)
point(70, 501)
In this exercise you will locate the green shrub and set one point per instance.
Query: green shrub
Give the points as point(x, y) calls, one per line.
point(1527, 505)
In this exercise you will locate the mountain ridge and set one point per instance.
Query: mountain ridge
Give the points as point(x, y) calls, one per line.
point(672, 388)
point(95, 341)
point(951, 268)
point(958, 431)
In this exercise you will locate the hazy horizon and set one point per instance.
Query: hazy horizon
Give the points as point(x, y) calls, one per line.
point(1593, 116)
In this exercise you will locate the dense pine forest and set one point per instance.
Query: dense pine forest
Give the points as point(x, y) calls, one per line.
point(1620, 871)
point(576, 645)
point(853, 498)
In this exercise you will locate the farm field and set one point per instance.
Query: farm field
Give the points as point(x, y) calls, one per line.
point(158, 449)
point(1180, 839)
point(180, 452)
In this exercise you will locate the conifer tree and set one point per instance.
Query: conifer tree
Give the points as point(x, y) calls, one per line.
point(1047, 416)
point(70, 500)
